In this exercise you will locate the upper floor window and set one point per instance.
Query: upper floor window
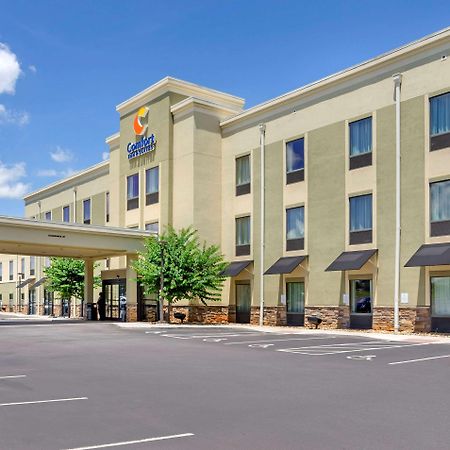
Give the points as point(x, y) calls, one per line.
point(295, 228)
point(87, 211)
point(22, 266)
point(440, 208)
point(440, 121)
point(1, 271)
point(11, 270)
point(360, 133)
point(243, 175)
point(133, 191)
point(66, 214)
point(361, 219)
point(32, 265)
point(152, 186)
point(153, 227)
point(295, 161)
point(243, 236)
point(107, 207)
point(48, 215)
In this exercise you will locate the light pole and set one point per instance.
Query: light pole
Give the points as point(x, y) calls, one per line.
point(19, 290)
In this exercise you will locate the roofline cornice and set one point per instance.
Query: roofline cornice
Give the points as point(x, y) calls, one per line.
point(191, 104)
point(358, 70)
point(169, 84)
point(113, 140)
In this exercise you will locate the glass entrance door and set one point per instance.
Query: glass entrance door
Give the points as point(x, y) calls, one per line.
point(440, 304)
point(243, 302)
point(295, 303)
point(112, 290)
point(361, 304)
point(32, 301)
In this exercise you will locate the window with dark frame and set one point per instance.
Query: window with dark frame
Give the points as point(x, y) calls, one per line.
point(440, 208)
point(152, 186)
point(360, 141)
point(440, 121)
point(66, 214)
point(1, 271)
point(107, 207)
point(32, 265)
point(133, 192)
point(11, 270)
point(242, 236)
point(152, 226)
point(87, 211)
point(361, 219)
point(295, 161)
point(243, 183)
point(48, 215)
point(295, 229)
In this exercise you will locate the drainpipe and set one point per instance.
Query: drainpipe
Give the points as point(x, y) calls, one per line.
point(397, 84)
point(262, 139)
point(74, 205)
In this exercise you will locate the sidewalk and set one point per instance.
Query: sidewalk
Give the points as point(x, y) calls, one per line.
point(425, 337)
point(19, 317)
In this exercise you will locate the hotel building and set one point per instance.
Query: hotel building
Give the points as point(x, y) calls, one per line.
point(300, 193)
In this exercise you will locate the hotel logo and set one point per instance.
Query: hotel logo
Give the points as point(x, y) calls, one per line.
point(139, 128)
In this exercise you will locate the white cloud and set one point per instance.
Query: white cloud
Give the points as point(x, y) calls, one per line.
point(32, 68)
point(8, 116)
point(9, 70)
point(61, 155)
point(52, 173)
point(10, 186)
point(105, 156)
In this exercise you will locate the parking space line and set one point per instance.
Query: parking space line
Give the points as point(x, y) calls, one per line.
point(218, 335)
point(280, 340)
point(418, 360)
point(44, 401)
point(138, 441)
point(7, 377)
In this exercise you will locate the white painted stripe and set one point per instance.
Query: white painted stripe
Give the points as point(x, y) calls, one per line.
point(12, 376)
point(45, 401)
point(281, 340)
point(419, 360)
point(186, 336)
point(139, 441)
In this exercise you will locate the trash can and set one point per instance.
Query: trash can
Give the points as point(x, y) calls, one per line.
point(91, 311)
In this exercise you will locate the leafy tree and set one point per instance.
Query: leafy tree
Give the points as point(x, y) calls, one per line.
point(186, 269)
point(65, 276)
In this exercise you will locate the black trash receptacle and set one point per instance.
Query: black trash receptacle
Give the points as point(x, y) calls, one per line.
point(91, 311)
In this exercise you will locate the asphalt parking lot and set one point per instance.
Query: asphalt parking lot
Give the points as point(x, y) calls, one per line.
point(96, 385)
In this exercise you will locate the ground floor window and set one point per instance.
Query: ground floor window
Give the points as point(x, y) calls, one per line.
point(361, 296)
point(440, 296)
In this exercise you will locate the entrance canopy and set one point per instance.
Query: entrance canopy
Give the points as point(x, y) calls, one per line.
point(285, 265)
point(351, 260)
point(430, 255)
point(31, 237)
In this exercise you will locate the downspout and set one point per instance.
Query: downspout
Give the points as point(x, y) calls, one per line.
point(397, 84)
point(74, 205)
point(262, 138)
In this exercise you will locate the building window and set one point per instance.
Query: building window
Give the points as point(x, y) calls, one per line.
point(47, 262)
point(440, 121)
point(152, 186)
point(361, 219)
point(48, 215)
point(295, 161)
point(1, 271)
point(22, 266)
point(87, 211)
point(361, 296)
point(153, 227)
point(440, 208)
point(66, 214)
point(107, 207)
point(360, 143)
point(32, 265)
point(11, 300)
point(108, 263)
point(243, 175)
point(295, 228)
point(243, 236)
point(133, 191)
point(11, 270)
point(440, 296)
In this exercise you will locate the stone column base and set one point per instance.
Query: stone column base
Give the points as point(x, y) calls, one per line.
point(273, 315)
point(200, 314)
point(411, 320)
point(131, 313)
point(332, 316)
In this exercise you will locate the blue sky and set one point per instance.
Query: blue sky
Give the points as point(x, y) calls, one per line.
point(65, 65)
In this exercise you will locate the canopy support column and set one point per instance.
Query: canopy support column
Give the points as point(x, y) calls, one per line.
point(132, 294)
point(88, 283)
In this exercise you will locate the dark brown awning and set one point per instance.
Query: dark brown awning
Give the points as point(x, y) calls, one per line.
point(351, 260)
point(38, 283)
point(235, 268)
point(285, 265)
point(430, 255)
point(24, 283)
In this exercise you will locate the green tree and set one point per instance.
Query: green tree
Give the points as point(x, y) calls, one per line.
point(65, 276)
point(184, 268)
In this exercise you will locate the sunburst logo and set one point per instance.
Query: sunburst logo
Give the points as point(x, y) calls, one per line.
point(139, 127)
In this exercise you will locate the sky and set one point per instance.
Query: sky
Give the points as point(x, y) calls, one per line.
point(65, 65)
